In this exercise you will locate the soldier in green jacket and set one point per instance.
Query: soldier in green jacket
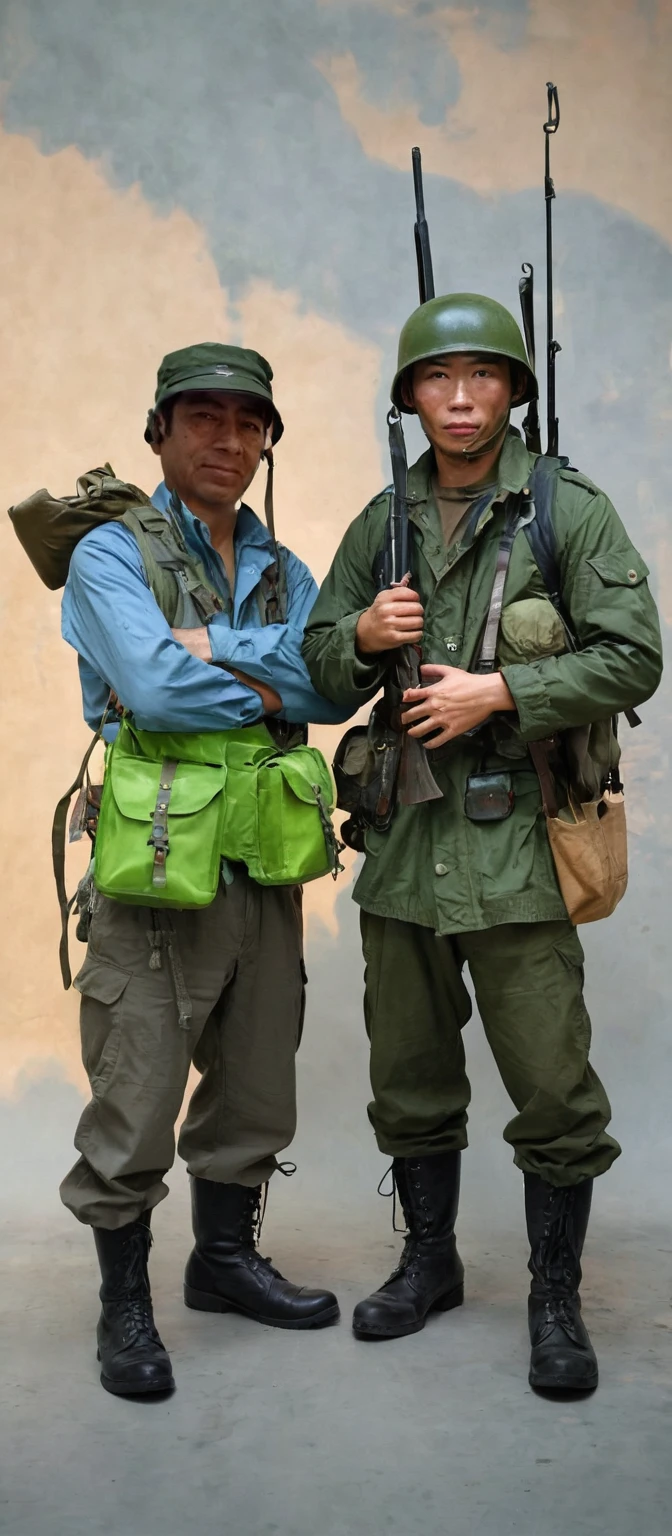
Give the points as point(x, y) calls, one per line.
point(440, 890)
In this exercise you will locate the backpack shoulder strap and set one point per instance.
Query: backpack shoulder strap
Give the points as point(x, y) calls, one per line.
point(177, 579)
point(540, 535)
point(272, 592)
point(540, 532)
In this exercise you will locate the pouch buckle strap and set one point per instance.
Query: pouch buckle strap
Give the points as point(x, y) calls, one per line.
point(159, 839)
point(333, 844)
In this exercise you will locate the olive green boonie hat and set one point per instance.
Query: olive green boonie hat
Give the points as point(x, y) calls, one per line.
point(461, 322)
point(212, 365)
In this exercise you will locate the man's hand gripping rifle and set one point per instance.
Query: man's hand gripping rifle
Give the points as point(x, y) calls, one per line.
point(415, 783)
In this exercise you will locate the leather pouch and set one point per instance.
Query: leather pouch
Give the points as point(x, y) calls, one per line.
point(489, 796)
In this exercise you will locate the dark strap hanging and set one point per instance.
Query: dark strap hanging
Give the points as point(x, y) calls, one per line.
point(58, 834)
point(517, 517)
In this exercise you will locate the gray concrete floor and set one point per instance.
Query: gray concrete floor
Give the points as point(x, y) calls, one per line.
point(273, 1432)
point(278, 1434)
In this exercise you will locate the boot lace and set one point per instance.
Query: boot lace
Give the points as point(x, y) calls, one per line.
point(557, 1264)
point(417, 1223)
point(252, 1220)
point(134, 1298)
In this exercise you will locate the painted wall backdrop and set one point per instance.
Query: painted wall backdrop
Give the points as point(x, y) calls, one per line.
point(172, 174)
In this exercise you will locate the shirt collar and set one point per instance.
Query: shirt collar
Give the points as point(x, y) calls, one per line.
point(513, 469)
point(249, 529)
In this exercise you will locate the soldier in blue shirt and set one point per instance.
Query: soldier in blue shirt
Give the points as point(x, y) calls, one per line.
point(239, 960)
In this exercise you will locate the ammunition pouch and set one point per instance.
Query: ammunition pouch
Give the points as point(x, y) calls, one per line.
point(366, 768)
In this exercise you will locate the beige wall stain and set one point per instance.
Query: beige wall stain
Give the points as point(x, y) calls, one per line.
point(611, 65)
point(94, 288)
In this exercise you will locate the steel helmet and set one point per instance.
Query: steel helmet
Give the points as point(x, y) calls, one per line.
point(461, 322)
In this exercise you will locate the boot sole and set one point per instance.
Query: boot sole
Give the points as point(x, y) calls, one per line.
point(205, 1301)
point(561, 1384)
point(140, 1389)
point(454, 1298)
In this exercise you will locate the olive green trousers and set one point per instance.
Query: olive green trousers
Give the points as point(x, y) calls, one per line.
point(528, 981)
point(237, 965)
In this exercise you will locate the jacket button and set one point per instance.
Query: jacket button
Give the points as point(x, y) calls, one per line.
point(632, 575)
point(440, 869)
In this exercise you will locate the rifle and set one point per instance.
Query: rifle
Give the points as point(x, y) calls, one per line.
point(526, 290)
point(379, 764)
point(416, 782)
point(552, 346)
point(421, 232)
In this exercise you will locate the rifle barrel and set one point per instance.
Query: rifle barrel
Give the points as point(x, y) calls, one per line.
point(552, 346)
point(422, 246)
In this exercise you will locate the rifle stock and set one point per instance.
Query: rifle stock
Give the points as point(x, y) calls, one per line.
point(416, 784)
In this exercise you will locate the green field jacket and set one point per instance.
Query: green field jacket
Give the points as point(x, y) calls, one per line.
point(434, 866)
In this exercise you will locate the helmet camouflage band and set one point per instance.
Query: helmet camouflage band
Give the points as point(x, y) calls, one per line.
point(461, 322)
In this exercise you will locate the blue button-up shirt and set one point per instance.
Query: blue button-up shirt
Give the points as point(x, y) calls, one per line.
point(111, 618)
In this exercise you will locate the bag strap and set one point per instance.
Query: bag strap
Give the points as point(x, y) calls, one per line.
point(172, 572)
point(58, 833)
point(516, 518)
point(272, 591)
point(540, 533)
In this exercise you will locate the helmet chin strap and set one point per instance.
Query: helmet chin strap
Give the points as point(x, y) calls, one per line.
point(477, 453)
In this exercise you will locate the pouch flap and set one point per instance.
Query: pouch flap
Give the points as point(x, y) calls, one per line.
point(302, 769)
point(135, 786)
point(620, 570)
point(100, 980)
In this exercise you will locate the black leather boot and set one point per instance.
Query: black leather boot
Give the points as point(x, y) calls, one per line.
point(226, 1273)
point(563, 1358)
point(130, 1351)
point(430, 1275)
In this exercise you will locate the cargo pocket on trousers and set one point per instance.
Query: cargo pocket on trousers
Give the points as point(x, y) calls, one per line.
point(102, 987)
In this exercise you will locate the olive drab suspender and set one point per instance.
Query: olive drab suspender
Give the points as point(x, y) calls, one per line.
point(517, 516)
point(179, 581)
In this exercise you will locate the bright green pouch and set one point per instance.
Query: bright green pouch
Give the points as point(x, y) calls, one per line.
point(158, 841)
point(173, 805)
point(277, 816)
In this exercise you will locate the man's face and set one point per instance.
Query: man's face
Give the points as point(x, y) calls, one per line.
point(212, 450)
point(459, 398)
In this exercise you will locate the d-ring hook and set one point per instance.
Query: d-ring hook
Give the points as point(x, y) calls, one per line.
point(553, 123)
